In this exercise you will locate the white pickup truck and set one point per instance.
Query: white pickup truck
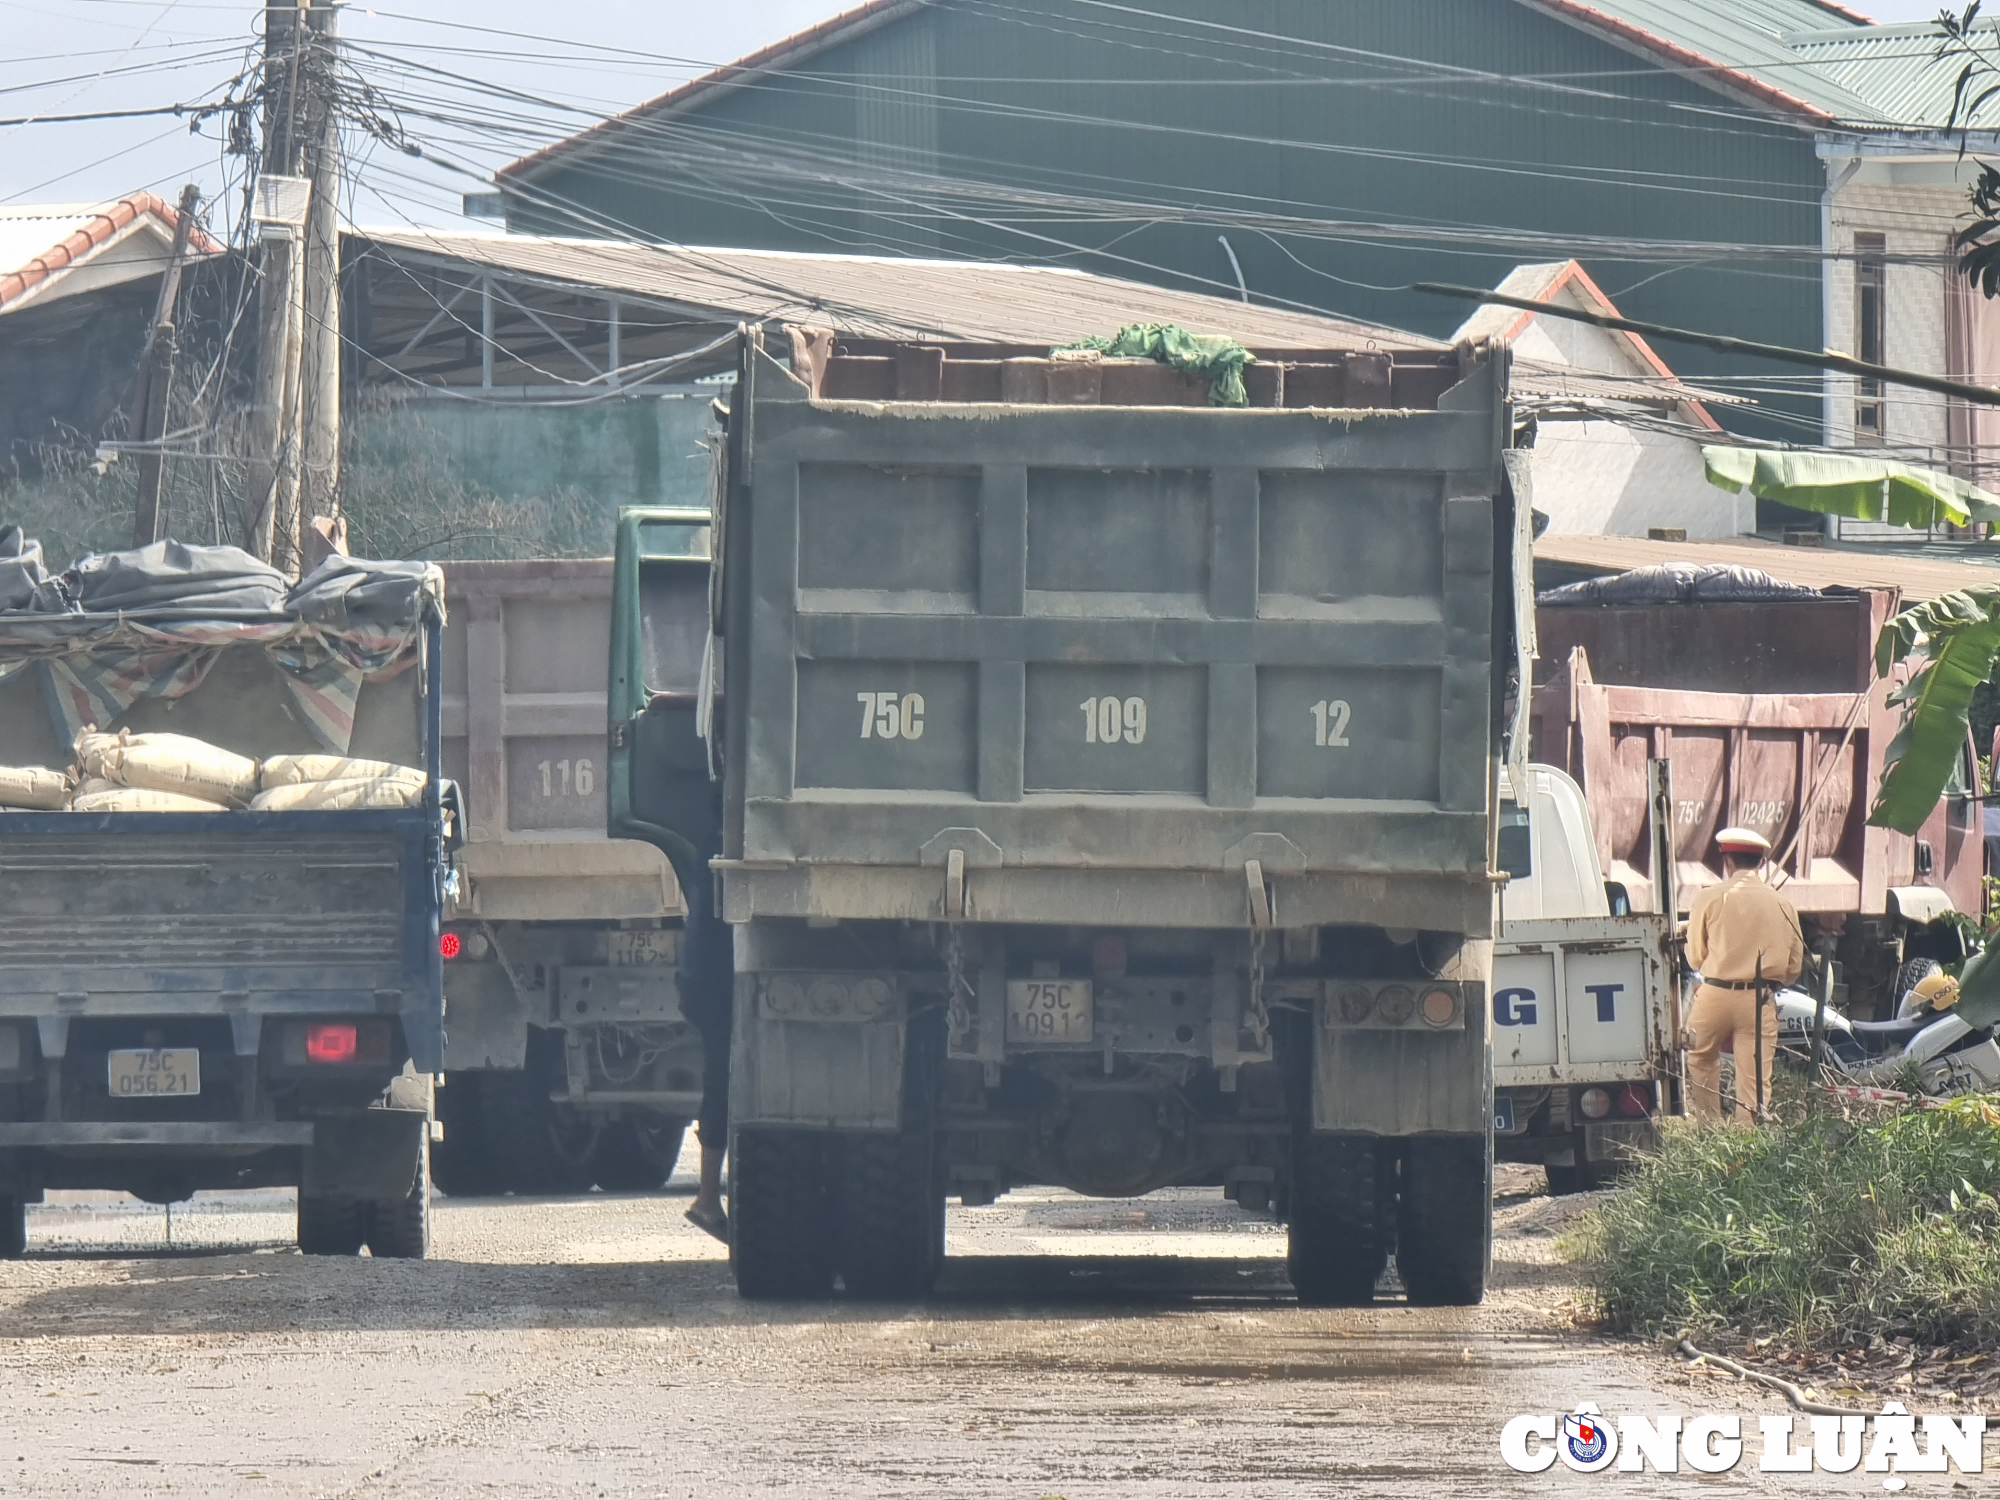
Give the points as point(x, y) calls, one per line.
point(1585, 998)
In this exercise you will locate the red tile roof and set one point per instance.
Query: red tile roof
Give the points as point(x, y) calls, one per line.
point(77, 246)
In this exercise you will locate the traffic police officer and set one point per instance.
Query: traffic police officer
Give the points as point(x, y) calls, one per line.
point(1744, 939)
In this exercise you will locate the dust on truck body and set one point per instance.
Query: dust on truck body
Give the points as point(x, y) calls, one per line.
point(567, 1061)
point(281, 966)
point(1107, 800)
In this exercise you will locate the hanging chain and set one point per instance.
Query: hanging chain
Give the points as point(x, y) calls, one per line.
point(1257, 1016)
point(958, 1014)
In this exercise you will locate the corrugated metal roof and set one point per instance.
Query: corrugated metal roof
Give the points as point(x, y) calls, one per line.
point(1894, 69)
point(1919, 577)
point(886, 296)
point(1742, 41)
point(1734, 45)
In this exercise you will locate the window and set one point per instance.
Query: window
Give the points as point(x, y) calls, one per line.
point(1870, 277)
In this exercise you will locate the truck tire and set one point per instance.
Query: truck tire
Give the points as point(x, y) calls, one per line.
point(536, 1146)
point(890, 1216)
point(401, 1228)
point(461, 1164)
point(13, 1228)
point(779, 1245)
point(331, 1226)
point(1340, 1218)
point(1445, 1238)
point(636, 1154)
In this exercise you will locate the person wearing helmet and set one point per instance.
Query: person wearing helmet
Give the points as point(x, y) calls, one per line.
point(1744, 938)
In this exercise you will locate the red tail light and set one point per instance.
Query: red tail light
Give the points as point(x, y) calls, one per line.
point(448, 945)
point(1633, 1100)
point(332, 1041)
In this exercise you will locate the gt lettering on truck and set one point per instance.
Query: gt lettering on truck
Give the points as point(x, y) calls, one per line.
point(1606, 996)
point(1514, 1007)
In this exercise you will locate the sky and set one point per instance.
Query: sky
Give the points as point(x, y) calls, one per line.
point(596, 56)
point(576, 61)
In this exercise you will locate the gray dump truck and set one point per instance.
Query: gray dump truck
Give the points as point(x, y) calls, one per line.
point(567, 1061)
point(1107, 796)
point(223, 998)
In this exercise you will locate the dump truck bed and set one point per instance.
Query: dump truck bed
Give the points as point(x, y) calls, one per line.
point(1070, 661)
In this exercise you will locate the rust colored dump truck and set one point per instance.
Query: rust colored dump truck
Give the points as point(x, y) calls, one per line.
point(1764, 700)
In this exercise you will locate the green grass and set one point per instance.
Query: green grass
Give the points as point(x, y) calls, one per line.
point(1829, 1230)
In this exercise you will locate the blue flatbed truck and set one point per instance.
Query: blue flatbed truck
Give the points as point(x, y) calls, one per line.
point(239, 999)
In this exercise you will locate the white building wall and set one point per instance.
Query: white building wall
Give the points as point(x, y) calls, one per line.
point(1916, 206)
point(1615, 478)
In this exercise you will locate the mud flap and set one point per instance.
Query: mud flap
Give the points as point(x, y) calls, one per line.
point(1400, 1082)
point(372, 1153)
point(816, 1072)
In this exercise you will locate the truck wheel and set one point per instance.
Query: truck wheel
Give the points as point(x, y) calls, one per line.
point(13, 1228)
point(1339, 1233)
point(636, 1154)
point(891, 1216)
point(401, 1228)
point(331, 1226)
point(461, 1165)
point(1582, 1176)
point(536, 1145)
point(779, 1245)
point(1445, 1239)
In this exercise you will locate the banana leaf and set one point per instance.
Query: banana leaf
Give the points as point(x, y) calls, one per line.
point(1959, 635)
point(1857, 486)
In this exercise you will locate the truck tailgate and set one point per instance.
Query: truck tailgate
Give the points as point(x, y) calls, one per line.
point(1583, 999)
point(130, 913)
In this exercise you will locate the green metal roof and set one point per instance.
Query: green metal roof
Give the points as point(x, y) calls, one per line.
point(1745, 41)
point(1895, 70)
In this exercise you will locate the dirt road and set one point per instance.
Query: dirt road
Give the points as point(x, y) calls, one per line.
point(594, 1347)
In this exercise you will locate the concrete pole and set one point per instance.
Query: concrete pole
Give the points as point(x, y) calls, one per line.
point(319, 474)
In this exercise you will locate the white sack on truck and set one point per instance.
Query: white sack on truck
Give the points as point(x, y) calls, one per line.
point(175, 763)
point(33, 787)
point(103, 797)
point(337, 796)
point(293, 770)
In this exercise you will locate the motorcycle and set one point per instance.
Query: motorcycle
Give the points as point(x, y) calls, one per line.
point(1928, 1044)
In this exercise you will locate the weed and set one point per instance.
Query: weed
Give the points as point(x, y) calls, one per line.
point(1837, 1228)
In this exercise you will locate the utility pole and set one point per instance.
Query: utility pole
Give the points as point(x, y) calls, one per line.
point(151, 396)
point(299, 117)
point(319, 472)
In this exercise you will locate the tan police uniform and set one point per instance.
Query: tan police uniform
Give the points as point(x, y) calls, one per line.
point(1737, 931)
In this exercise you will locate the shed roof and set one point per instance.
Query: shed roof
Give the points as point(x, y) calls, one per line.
point(42, 245)
point(1921, 572)
point(884, 296)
